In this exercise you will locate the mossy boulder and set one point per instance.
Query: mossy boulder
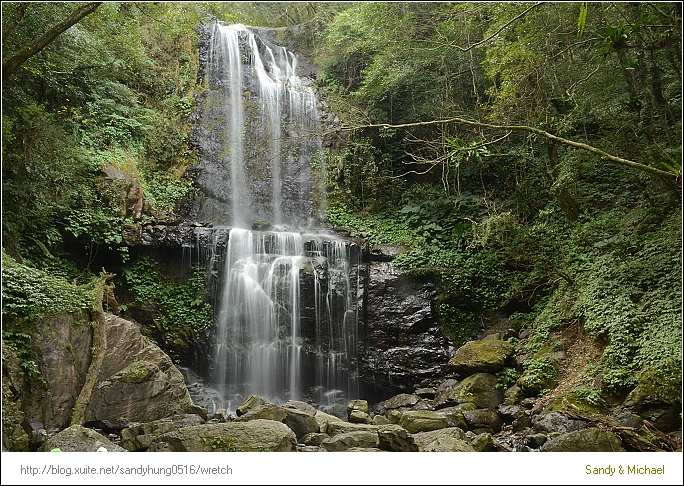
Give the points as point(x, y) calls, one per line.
point(422, 421)
point(482, 442)
point(585, 440)
point(137, 382)
point(79, 439)
point(139, 437)
point(353, 439)
point(657, 398)
point(250, 436)
point(14, 437)
point(479, 389)
point(484, 356)
point(451, 439)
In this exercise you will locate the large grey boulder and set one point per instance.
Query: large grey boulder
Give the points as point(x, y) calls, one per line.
point(335, 428)
point(422, 421)
point(314, 439)
point(585, 440)
point(454, 415)
point(485, 356)
point(266, 411)
point(361, 405)
point(451, 439)
point(299, 405)
point(324, 420)
point(516, 416)
point(137, 382)
point(396, 439)
point(79, 439)
point(359, 417)
point(251, 436)
point(250, 402)
point(300, 422)
point(139, 437)
point(403, 400)
point(557, 422)
point(348, 440)
point(483, 419)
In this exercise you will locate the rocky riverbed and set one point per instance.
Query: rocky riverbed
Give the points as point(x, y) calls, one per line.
point(471, 413)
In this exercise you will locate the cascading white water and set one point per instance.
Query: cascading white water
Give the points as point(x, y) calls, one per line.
point(258, 331)
point(270, 340)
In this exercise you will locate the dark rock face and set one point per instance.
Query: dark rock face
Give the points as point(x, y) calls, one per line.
point(176, 233)
point(243, 178)
point(401, 342)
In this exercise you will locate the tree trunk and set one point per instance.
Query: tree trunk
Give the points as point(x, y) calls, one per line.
point(9, 66)
point(568, 204)
point(99, 349)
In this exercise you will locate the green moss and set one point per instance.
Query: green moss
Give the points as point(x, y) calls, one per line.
point(220, 443)
point(583, 398)
point(136, 372)
point(663, 383)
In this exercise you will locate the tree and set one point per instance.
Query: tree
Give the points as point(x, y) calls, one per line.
point(12, 63)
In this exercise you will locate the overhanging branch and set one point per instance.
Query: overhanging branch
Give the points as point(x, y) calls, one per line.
point(669, 176)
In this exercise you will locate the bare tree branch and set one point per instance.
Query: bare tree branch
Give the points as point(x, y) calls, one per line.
point(668, 176)
point(472, 46)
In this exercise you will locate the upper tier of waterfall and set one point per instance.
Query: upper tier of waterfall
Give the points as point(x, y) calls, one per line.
point(257, 134)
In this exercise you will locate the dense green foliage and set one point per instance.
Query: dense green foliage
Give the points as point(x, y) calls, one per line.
point(182, 313)
point(30, 295)
point(102, 106)
point(509, 220)
point(113, 91)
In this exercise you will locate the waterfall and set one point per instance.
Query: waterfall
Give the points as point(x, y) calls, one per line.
point(286, 324)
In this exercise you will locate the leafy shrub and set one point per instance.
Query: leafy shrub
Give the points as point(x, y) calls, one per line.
point(29, 295)
point(32, 294)
point(506, 377)
point(183, 311)
point(540, 374)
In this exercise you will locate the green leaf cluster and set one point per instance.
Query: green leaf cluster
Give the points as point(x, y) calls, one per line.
point(31, 294)
point(183, 313)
